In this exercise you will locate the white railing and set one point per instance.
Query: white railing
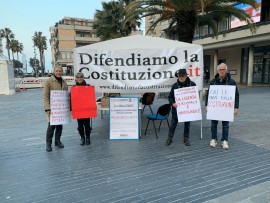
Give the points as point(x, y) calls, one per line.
point(37, 82)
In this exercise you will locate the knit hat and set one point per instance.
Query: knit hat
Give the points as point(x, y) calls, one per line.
point(182, 72)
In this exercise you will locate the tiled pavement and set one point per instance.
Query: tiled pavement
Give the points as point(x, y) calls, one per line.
point(134, 171)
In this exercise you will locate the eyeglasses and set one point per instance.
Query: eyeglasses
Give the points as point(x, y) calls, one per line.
point(79, 77)
point(222, 69)
point(181, 76)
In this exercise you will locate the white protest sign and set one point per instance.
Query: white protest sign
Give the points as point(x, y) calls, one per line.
point(60, 107)
point(221, 99)
point(188, 104)
point(124, 118)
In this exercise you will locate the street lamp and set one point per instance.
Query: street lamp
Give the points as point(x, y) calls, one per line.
point(35, 62)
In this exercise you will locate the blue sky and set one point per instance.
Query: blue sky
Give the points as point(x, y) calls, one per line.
point(243, 6)
point(24, 17)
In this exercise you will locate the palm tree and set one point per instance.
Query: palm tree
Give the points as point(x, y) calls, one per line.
point(185, 15)
point(13, 47)
point(133, 23)
point(8, 34)
point(109, 22)
point(34, 63)
point(19, 49)
point(16, 47)
point(41, 44)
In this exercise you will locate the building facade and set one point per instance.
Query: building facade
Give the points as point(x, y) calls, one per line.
point(247, 55)
point(1, 46)
point(66, 35)
point(155, 32)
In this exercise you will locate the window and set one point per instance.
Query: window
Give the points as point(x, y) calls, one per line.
point(66, 55)
point(197, 33)
point(203, 30)
point(223, 25)
point(83, 34)
point(63, 55)
point(211, 31)
point(82, 44)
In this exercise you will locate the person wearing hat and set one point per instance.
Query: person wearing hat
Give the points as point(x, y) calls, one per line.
point(182, 81)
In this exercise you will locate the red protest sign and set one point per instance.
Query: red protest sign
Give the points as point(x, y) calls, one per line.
point(83, 102)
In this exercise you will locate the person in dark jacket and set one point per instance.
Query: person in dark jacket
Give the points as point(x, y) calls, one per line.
point(84, 127)
point(222, 78)
point(183, 81)
point(206, 76)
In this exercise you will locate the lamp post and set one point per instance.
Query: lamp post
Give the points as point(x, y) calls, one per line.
point(35, 62)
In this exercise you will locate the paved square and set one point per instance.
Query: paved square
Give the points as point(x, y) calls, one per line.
point(134, 171)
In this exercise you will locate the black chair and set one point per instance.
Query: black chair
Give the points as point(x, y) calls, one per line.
point(162, 114)
point(147, 100)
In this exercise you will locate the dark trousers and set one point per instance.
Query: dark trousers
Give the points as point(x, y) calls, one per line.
point(50, 132)
point(173, 125)
point(84, 127)
point(225, 130)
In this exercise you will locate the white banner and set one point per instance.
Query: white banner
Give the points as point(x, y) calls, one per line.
point(60, 107)
point(221, 99)
point(188, 104)
point(138, 70)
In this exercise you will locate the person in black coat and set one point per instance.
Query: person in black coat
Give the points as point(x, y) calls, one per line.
point(183, 81)
point(222, 78)
point(84, 127)
point(206, 76)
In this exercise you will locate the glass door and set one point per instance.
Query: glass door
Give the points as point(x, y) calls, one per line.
point(258, 68)
point(266, 71)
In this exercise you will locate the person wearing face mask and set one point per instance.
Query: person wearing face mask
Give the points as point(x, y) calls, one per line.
point(55, 82)
point(182, 81)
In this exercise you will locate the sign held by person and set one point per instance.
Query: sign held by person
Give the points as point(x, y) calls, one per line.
point(60, 107)
point(188, 104)
point(83, 102)
point(221, 99)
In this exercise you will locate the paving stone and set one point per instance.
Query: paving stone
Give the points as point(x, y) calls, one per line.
point(142, 170)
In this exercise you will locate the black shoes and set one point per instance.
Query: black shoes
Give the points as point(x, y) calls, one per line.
point(48, 148)
point(186, 141)
point(168, 142)
point(82, 141)
point(85, 140)
point(88, 142)
point(59, 144)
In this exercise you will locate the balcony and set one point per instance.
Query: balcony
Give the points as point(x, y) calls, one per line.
point(66, 38)
point(83, 28)
point(86, 39)
point(65, 61)
point(237, 37)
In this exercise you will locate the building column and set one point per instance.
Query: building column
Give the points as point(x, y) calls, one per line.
point(250, 65)
point(7, 81)
point(215, 62)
